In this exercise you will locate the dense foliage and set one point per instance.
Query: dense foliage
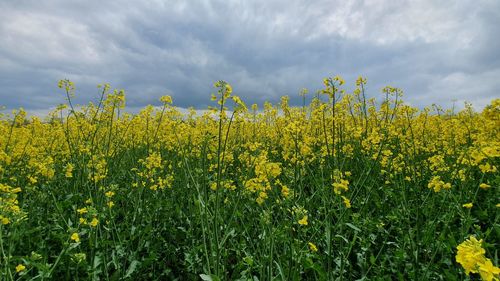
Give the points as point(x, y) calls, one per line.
point(343, 188)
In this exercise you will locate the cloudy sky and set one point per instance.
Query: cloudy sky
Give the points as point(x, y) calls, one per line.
point(436, 51)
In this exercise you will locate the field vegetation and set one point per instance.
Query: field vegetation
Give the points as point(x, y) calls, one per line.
point(341, 187)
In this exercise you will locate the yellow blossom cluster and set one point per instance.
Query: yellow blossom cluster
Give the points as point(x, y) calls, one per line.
point(9, 205)
point(305, 170)
point(471, 255)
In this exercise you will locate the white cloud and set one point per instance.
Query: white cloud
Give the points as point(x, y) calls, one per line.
point(265, 48)
point(41, 39)
point(463, 87)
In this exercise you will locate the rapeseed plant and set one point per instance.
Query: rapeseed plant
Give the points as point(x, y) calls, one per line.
point(383, 189)
point(471, 256)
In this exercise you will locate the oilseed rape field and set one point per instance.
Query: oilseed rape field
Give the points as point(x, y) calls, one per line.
point(343, 187)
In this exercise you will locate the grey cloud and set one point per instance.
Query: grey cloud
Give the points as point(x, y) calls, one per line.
point(436, 52)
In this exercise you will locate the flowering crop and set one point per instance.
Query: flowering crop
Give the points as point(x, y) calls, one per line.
point(340, 187)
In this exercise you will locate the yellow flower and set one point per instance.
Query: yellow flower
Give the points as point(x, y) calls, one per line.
point(32, 180)
point(285, 191)
point(347, 202)
point(303, 221)
point(312, 247)
point(360, 81)
point(20, 267)
point(166, 99)
point(488, 271)
point(437, 184)
point(94, 222)
point(82, 211)
point(109, 194)
point(467, 205)
point(83, 221)
point(75, 237)
point(342, 185)
point(470, 254)
point(484, 186)
point(262, 197)
point(487, 168)
point(111, 204)
point(326, 82)
point(339, 79)
point(241, 105)
point(4, 220)
point(229, 89)
point(69, 170)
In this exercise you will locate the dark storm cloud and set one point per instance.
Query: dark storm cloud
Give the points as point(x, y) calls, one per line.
point(435, 52)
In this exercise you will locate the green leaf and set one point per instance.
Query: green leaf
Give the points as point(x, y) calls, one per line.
point(131, 268)
point(342, 237)
point(210, 277)
point(353, 226)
